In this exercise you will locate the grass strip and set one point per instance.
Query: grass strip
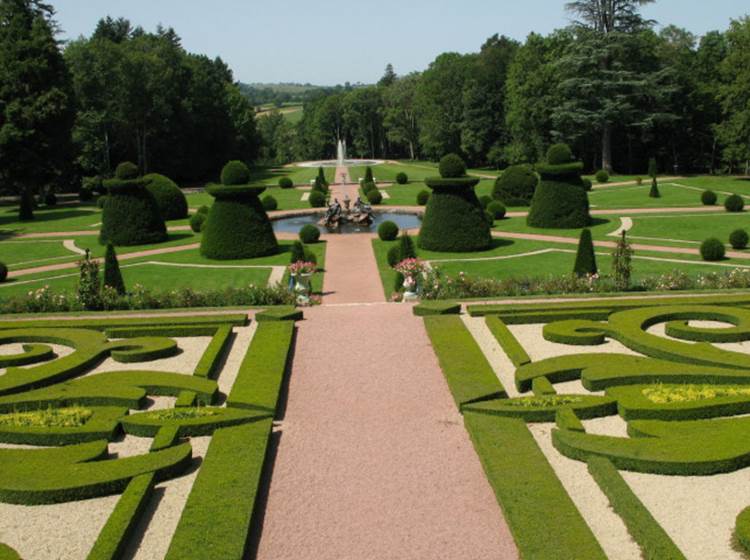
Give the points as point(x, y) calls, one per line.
point(262, 370)
point(653, 540)
point(507, 341)
point(470, 377)
point(218, 512)
point(235, 319)
point(544, 521)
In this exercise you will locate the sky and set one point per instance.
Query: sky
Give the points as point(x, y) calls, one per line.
point(330, 42)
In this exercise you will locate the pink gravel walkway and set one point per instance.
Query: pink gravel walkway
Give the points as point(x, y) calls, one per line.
point(373, 460)
point(351, 271)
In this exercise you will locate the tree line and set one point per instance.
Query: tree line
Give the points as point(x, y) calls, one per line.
point(610, 85)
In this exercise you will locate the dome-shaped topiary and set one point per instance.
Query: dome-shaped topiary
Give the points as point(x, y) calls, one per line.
point(237, 226)
point(169, 197)
point(587, 184)
point(559, 154)
point(235, 173)
point(402, 178)
point(708, 198)
point(198, 221)
point(270, 203)
point(496, 209)
point(317, 199)
point(309, 234)
point(734, 203)
point(739, 239)
point(3, 272)
point(560, 200)
point(602, 176)
point(713, 249)
point(126, 171)
point(516, 186)
point(388, 231)
point(454, 220)
point(130, 213)
point(452, 166)
point(286, 183)
point(423, 197)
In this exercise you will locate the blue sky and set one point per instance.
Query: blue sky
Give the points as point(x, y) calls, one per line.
point(333, 41)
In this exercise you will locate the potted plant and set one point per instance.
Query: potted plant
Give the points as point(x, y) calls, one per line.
point(411, 270)
point(301, 273)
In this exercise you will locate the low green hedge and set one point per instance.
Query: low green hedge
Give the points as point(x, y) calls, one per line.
point(742, 529)
point(428, 308)
point(147, 424)
point(208, 366)
point(274, 314)
point(507, 341)
point(545, 408)
point(102, 425)
point(262, 370)
point(216, 519)
point(32, 353)
point(469, 376)
point(544, 521)
point(101, 324)
point(654, 541)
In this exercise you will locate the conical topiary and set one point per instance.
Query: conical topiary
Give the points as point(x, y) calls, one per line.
point(112, 274)
point(237, 226)
point(654, 192)
point(130, 214)
point(585, 258)
point(454, 220)
point(560, 199)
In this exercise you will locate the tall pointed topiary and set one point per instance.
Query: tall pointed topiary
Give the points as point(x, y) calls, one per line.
point(237, 226)
point(130, 215)
point(654, 192)
point(454, 220)
point(585, 258)
point(112, 274)
point(560, 200)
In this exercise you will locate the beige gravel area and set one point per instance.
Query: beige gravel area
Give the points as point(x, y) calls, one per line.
point(242, 338)
point(191, 351)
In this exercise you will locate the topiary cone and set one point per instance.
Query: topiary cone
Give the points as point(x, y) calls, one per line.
point(454, 220)
point(654, 192)
point(585, 258)
point(112, 274)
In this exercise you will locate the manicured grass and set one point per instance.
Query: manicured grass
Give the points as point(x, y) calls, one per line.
point(78, 217)
point(632, 196)
point(693, 227)
point(288, 199)
point(17, 254)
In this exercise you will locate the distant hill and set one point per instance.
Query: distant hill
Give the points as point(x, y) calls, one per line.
point(278, 94)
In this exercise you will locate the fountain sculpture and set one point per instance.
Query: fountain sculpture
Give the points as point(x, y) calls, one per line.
point(359, 214)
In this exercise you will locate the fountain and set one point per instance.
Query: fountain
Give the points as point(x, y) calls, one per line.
point(341, 160)
point(358, 215)
point(341, 153)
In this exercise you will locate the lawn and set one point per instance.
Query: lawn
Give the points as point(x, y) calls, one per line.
point(288, 199)
point(638, 197)
point(75, 217)
point(695, 228)
point(406, 195)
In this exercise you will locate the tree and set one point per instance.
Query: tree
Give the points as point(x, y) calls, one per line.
point(388, 77)
point(36, 99)
point(399, 114)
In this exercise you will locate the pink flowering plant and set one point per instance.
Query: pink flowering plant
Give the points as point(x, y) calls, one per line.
point(301, 267)
point(410, 268)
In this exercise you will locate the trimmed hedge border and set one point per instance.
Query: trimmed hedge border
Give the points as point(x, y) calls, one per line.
point(428, 308)
point(103, 425)
point(470, 377)
point(236, 320)
point(742, 529)
point(279, 314)
point(216, 519)
point(148, 424)
point(588, 407)
point(209, 363)
point(262, 370)
point(507, 341)
point(544, 521)
point(654, 541)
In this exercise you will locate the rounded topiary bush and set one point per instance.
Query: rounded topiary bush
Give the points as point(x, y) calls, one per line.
point(708, 198)
point(235, 173)
point(452, 166)
point(734, 203)
point(739, 239)
point(516, 186)
point(496, 209)
point(317, 199)
point(423, 197)
point(712, 249)
point(560, 200)
point(374, 196)
point(454, 220)
point(237, 226)
point(50, 199)
point(3, 272)
point(130, 213)
point(270, 203)
point(602, 176)
point(309, 234)
point(126, 171)
point(402, 178)
point(197, 222)
point(286, 183)
point(588, 186)
point(388, 231)
point(170, 199)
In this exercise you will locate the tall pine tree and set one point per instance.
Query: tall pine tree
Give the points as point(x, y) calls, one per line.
point(36, 100)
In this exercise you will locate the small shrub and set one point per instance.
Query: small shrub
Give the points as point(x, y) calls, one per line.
point(485, 201)
point(286, 183)
point(734, 203)
point(407, 250)
point(622, 263)
point(654, 192)
point(712, 249)
point(452, 166)
point(317, 199)
point(639, 181)
point(235, 173)
point(374, 196)
point(602, 176)
point(269, 203)
point(388, 231)
point(126, 171)
point(89, 290)
point(402, 178)
point(423, 197)
point(50, 199)
point(309, 234)
point(3, 272)
point(497, 209)
point(588, 186)
point(708, 198)
point(197, 221)
point(393, 255)
point(739, 239)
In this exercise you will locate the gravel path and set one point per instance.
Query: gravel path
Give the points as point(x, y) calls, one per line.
point(351, 271)
point(373, 460)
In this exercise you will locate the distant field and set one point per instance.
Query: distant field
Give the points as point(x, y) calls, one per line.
point(291, 111)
